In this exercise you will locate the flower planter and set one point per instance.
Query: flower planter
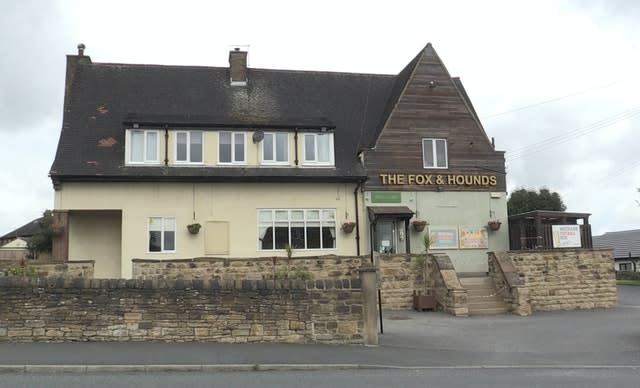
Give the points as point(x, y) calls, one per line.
point(194, 228)
point(419, 225)
point(424, 302)
point(347, 227)
point(494, 225)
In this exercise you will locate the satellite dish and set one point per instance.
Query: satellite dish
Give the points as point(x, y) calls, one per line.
point(258, 136)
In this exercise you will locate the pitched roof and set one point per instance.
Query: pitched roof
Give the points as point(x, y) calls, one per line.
point(103, 98)
point(624, 243)
point(26, 230)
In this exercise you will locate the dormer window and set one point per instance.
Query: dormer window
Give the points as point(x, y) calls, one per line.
point(275, 148)
point(434, 153)
point(318, 149)
point(143, 146)
point(189, 147)
point(231, 148)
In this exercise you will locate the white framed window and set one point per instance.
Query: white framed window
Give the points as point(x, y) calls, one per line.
point(318, 149)
point(434, 153)
point(232, 148)
point(142, 146)
point(302, 229)
point(275, 148)
point(161, 235)
point(189, 147)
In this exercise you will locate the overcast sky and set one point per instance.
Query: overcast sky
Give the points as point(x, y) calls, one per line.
point(554, 82)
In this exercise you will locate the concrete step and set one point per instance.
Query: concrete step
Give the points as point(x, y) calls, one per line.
point(482, 298)
point(488, 311)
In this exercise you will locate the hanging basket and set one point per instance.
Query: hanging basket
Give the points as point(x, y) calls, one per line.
point(494, 225)
point(347, 227)
point(419, 225)
point(194, 228)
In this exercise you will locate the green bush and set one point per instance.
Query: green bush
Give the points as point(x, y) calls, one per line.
point(16, 270)
point(627, 275)
point(291, 275)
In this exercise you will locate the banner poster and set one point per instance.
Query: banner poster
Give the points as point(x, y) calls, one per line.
point(474, 237)
point(443, 237)
point(566, 236)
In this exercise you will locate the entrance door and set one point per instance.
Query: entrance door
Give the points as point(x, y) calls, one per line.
point(386, 236)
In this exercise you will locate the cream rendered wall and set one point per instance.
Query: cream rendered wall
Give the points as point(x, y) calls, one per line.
point(201, 202)
point(96, 236)
point(210, 148)
point(457, 209)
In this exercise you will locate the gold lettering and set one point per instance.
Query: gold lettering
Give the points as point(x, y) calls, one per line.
point(420, 179)
point(439, 180)
point(411, 179)
point(476, 180)
point(459, 179)
point(392, 179)
point(429, 179)
point(485, 180)
point(383, 177)
point(493, 181)
point(451, 179)
point(468, 180)
point(400, 179)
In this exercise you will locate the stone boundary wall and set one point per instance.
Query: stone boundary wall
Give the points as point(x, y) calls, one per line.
point(238, 311)
point(548, 280)
point(47, 268)
point(450, 294)
point(320, 267)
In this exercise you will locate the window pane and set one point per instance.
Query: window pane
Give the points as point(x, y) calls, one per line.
point(297, 235)
point(169, 240)
point(154, 241)
point(169, 223)
point(324, 152)
point(328, 237)
point(309, 148)
point(196, 147)
point(313, 214)
point(313, 235)
point(441, 153)
point(266, 237)
point(155, 223)
point(181, 146)
point(137, 146)
point(265, 215)
point(427, 150)
point(225, 147)
point(152, 146)
point(282, 215)
point(329, 215)
point(239, 147)
point(282, 235)
point(282, 147)
point(267, 147)
point(297, 215)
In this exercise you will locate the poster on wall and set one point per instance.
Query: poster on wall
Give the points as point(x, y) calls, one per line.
point(474, 237)
point(443, 237)
point(566, 236)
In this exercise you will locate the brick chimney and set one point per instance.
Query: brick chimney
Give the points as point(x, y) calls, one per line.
point(238, 67)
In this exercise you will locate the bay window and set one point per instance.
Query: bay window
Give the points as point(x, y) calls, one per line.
point(298, 228)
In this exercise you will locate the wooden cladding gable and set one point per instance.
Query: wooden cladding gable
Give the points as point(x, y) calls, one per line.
point(432, 106)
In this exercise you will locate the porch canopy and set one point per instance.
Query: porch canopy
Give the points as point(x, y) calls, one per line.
point(390, 212)
point(533, 230)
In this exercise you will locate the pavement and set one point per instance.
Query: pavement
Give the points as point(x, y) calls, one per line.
point(589, 339)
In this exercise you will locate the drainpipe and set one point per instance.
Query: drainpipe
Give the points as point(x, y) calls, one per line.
point(295, 143)
point(166, 145)
point(355, 196)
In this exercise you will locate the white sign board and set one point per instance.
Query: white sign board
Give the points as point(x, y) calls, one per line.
point(566, 236)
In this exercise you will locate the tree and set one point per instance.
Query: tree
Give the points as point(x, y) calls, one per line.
point(41, 240)
point(523, 200)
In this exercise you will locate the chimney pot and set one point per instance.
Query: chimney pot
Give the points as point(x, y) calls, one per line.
point(81, 49)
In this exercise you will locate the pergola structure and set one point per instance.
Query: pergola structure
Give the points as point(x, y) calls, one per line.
point(534, 229)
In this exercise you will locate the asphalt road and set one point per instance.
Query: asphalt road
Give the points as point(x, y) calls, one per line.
point(495, 378)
